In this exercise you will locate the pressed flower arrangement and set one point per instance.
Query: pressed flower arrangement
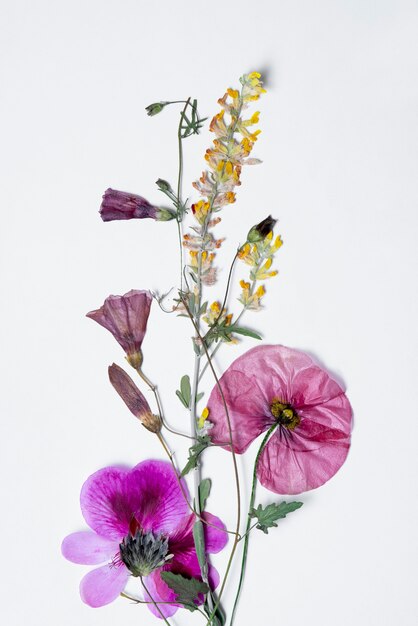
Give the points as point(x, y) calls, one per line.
point(145, 526)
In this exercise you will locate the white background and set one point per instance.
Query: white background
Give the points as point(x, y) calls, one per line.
point(339, 151)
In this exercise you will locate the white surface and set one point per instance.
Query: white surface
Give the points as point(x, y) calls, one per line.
point(339, 146)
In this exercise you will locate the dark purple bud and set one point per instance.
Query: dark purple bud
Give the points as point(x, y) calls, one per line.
point(120, 205)
point(261, 230)
point(133, 398)
point(126, 318)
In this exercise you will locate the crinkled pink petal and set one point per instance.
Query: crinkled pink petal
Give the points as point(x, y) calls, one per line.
point(247, 408)
point(150, 492)
point(88, 548)
point(292, 463)
point(103, 585)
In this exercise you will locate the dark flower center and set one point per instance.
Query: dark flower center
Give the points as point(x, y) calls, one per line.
point(143, 552)
point(285, 414)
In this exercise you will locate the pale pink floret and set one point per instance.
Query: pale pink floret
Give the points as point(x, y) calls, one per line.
point(149, 493)
point(293, 460)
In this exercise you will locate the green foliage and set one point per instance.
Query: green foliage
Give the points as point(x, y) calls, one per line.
point(204, 491)
point(268, 516)
point(194, 452)
point(222, 331)
point(187, 590)
point(185, 391)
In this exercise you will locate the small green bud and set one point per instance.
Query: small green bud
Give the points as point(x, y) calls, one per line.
point(155, 108)
point(261, 230)
point(165, 215)
point(163, 185)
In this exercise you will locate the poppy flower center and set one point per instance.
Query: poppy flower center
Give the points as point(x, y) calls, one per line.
point(143, 552)
point(285, 414)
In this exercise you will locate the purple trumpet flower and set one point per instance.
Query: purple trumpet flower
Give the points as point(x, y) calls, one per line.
point(121, 205)
point(126, 318)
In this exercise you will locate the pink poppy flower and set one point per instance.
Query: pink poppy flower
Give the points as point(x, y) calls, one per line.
point(140, 526)
point(126, 318)
point(274, 385)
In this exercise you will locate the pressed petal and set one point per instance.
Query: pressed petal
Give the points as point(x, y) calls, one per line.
point(150, 492)
point(160, 592)
point(159, 503)
point(216, 536)
point(88, 548)
point(247, 408)
point(292, 463)
point(105, 503)
point(125, 317)
point(121, 205)
point(103, 585)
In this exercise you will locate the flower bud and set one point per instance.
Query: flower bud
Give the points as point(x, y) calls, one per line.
point(261, 230)
point(133, 398)
point(155, 108)
point(163, 185)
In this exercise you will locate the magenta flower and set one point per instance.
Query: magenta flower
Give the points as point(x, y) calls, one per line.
point(141, 526)
point(274, 385)
point(126, 318)
point(120, 205)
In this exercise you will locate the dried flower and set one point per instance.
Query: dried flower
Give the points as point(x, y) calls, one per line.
point(261, 230)
point(274, 385)
point(126, 318)
point(133, 398)
point(140, 526)
point(121, 205)
point(155, 108)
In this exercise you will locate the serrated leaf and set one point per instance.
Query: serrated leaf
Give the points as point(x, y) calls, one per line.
point(187, 590)
point(268, 516)
point(204, 491)
point(194, 453)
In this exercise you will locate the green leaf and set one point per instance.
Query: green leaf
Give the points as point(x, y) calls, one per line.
point(199, 544)
point(268, 516)
point(185, 388)
point(200, 396)
point(204, 491)
point(184, 393)
point(187, 590)
point(194, 453)
point(239, 330)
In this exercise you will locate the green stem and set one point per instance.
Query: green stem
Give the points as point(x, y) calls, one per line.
point(154, 602)
point(179, 181)
point(247, 530)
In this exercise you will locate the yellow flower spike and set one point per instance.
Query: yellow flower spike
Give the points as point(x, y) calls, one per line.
point(269, 237)
point(203, 417)
point(244, 284)
point(233, 93)
point(267, 264)
point(205, 254)
point(260, 291)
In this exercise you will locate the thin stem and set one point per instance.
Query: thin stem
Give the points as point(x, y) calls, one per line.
point(154, 602)
point(179, 181)
point(138, 601)
point(247, 530)
point(237, 483)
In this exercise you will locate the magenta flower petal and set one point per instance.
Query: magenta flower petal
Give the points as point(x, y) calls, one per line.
point(215, 538)
point(120, 205)
point(126, 318)
point(276, 385)
point(111, 497)
point(160, 592)
point(88, 548)
point(103, 585)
